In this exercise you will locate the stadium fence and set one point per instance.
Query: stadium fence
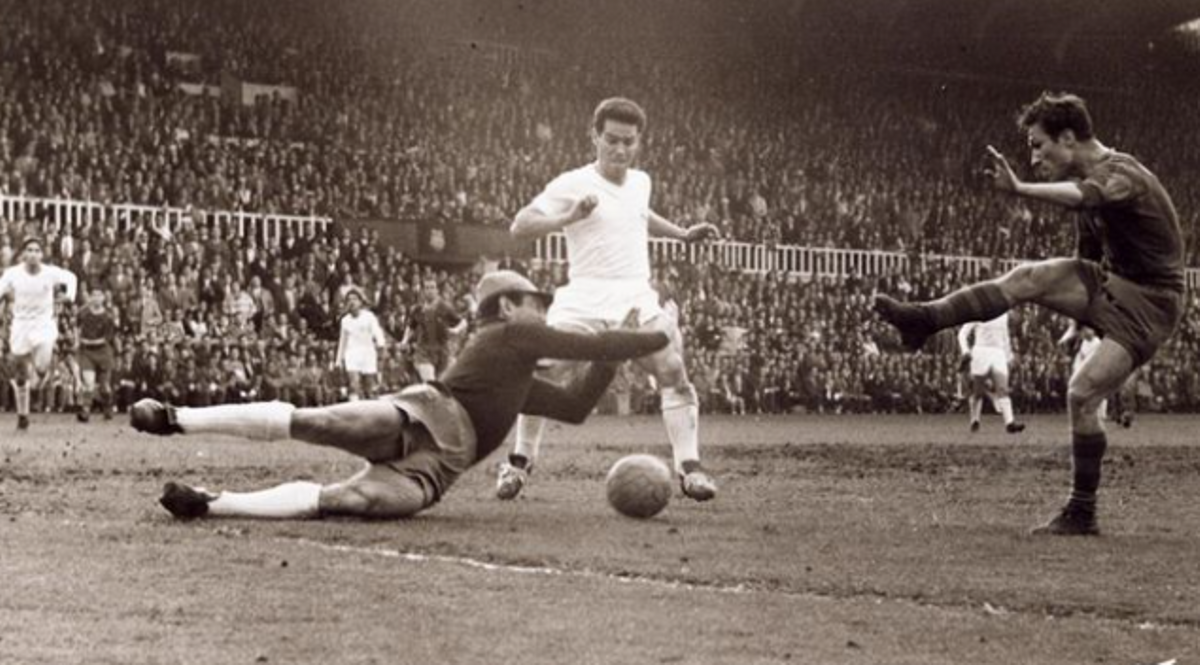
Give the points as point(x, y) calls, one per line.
point(804, 262)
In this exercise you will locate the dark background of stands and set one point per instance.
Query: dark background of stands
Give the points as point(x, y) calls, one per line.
point(820, 123)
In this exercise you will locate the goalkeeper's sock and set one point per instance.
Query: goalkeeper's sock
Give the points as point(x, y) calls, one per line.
point(261, 421)
point(976, 404)
point(979, 302)
point(298, 500)
point(1005, 407)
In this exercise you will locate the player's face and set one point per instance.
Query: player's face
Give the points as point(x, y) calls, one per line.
point(531, 309)
point(617, 145)
point(1051, 159)
point(32, 256)
point(96, 301)
point(354, 303)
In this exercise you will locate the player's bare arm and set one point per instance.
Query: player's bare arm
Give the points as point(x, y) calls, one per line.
point(1067, 194)
point(664, 228)
point(531, 223)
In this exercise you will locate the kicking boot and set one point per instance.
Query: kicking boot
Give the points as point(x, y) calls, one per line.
point(22, 422)
point(82, 415)
point(910, 320)
point(154, 417)
point(185, 503)
point(512, 479)
point(974, 426)
point(1070, 521)
point(1014, 427)
point(696, 483)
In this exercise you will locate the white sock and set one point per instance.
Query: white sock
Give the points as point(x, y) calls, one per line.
point(298, 500)
point(529, 436)
point(261, 421)
point(976, 404)
point(1004, 406)
point(681, 416)
point(22, 390)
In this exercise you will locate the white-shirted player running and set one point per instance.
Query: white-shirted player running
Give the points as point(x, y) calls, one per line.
point(603, 209)
point(358, 346)
point(34, 288)
point(989, 357)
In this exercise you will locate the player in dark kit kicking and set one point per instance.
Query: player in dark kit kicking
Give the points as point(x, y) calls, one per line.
point(1126, 280)
point(419, 441)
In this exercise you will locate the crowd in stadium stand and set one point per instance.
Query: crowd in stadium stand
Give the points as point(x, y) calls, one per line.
point(91, 109)
point(206, 316)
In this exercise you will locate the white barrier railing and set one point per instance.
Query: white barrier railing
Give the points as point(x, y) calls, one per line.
point(77, 214)
point(751, 257)
point(806, 261)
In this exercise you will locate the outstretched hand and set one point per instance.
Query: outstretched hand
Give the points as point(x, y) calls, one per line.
point(701, 232)
point(1002, 175)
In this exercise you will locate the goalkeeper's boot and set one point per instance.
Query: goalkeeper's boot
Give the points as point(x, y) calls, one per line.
point(696, 483)
point(512, 478)
point(22, 422)
point(910, 320)
point(185, 503)
point(154, 417)
point(1014, 427)
point(1072, 520)
point(974, 426)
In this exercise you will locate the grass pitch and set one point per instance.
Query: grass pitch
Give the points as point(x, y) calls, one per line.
point(889, 539)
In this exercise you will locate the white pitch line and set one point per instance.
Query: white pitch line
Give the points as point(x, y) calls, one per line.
point(468, 562)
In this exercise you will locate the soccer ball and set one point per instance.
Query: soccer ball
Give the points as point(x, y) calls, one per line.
point(639, 486)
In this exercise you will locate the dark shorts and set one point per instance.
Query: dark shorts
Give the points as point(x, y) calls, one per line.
point(96, 360)
point(438, 440)
point(1139, 318)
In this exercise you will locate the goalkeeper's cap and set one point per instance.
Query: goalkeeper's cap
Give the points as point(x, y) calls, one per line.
point(506, 282)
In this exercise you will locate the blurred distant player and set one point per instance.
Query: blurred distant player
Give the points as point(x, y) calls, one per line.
point(427, 334)
point(34, 288)
point(97, 356)
point(1126, 280)
point(358, 346)
point(603, 209)
point(988, 358)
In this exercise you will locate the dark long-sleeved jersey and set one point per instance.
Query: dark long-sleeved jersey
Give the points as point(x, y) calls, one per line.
point(1131, 224)
point(492, 377)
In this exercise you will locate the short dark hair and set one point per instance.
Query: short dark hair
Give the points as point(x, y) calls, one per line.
point(621, 110)
point(1056, 113)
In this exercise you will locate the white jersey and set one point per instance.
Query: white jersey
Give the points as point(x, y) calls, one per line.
point(360, 336)
point(33, 294)
point(609, 253)
point(988, 335)
point(613, 241)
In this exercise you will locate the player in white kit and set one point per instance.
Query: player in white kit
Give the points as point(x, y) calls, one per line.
point(34, 288)
point(604, 211)
point(989, 357)
point(358, 346)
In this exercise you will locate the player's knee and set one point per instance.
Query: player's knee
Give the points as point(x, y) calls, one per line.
point(679, 396)
point(1083, 397)
point(374, 500)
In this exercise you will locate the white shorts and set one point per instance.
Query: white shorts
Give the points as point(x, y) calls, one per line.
point(986, 360)
point(31, 336)
point(362, 361)
point(602, 300)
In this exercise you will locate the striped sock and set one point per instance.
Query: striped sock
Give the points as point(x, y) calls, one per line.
point(1087, 452)
point(979, 302)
